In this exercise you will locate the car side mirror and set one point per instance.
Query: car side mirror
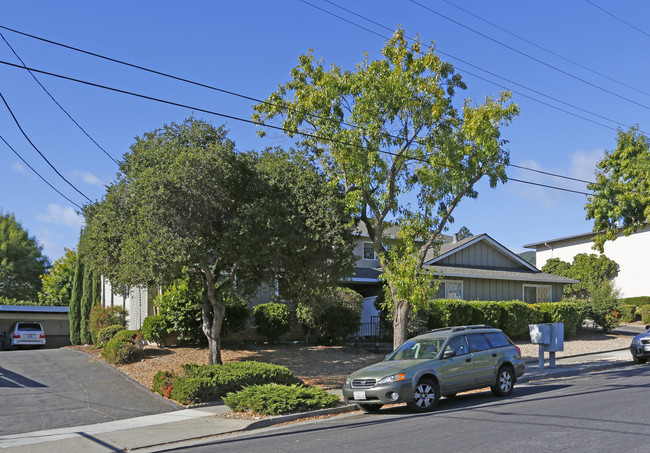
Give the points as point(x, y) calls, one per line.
point(647, 327)
point(448, 353)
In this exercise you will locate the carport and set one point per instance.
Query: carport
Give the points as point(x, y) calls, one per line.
point(54, 320)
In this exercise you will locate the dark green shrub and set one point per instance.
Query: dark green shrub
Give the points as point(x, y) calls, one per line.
point(202, 383)
point(435, 314)
point(107, 333)
point(604, 306)
point(163, 382)
point(180, 305)
point(237, 312)
point(568, 313)
point(334, 313)
point(487, 312)
point(154, 329)
point(103, 317)
point(457, 312)
point(124, 347)
point(628, 312)
point(272, 320)
point(645, 313)
point(274, 399)
point(516, 318)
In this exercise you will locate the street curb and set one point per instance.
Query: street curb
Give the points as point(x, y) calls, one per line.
point(582, 369)
point(300, 415)
point(581, 355)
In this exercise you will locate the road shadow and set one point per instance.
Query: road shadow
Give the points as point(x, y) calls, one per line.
point(10, 379)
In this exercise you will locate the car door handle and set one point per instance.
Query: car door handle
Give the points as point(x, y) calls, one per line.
point(468, 360)
point(494, 354)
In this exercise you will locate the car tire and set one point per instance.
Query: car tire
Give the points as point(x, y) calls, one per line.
point(639, 360)
point(504, 383)
point(370, 408)
point(425, 396)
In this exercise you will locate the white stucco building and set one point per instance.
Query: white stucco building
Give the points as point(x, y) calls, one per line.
point(631, 253)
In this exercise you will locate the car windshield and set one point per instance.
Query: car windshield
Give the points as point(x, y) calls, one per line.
point(425, 348)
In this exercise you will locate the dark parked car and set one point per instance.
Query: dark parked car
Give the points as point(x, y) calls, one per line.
point(25, 333)
point(442, 362)
point(640, 347)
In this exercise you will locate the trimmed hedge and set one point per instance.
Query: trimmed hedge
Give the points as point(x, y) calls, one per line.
point(645, 313)
point(124, 347)
point(638, 301)
point(565, 312)
point(155, 328)
point(272, 320)
point(203, 383)
point(628, 312)
point(275, 399)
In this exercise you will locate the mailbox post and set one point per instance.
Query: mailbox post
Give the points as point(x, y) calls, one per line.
point(549, 337)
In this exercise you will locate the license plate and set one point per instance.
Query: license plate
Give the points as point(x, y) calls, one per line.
point(30, 337)
point(359, 395)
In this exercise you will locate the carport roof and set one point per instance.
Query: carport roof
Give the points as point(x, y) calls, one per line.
point(33, 309)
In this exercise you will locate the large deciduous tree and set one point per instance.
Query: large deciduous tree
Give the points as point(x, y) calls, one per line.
point(621, 200)
point(186, 199)
point(590, 269)
point(57, 282)
point(390, 129)
point(22, 263)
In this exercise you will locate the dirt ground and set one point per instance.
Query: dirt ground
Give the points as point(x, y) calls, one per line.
point(322, 366)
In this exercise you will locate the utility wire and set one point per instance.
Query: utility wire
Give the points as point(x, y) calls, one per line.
point(229, 92)
point(555, 68)
point(618, 18)
point(593, 71)
point(453, 57)
point(232, 117)
point(57, 103)
point(38, 151)
point(37, 173)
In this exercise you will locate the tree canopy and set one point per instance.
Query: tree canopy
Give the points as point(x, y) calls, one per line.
point(621, 200)
point(390, 132)
point(57, 282)
point(592, 270)
point(22, 262)
point(186, 199)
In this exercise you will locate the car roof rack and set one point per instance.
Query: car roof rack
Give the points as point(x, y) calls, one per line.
point(459, 328)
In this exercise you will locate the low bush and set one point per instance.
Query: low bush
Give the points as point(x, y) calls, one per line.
point(106, 334)
point(272, 320)
point(490, 313)
point(125, 347)
point(155, 329)
point(162, 383)
point(101, 318)
point(645, 313)
point(638, 301)
point(516, 318)
point(274, 399)
point(203, 383)
point(334, 313)
point(457, 313)
point(628, 312)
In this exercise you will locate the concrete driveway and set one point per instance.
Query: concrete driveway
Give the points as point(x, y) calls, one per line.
point(55, 388)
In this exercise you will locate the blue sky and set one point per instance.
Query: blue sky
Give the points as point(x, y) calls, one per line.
point(250, 46)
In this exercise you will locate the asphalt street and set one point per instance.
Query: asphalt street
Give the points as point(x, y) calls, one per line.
point(54, 388)
point(598, 412)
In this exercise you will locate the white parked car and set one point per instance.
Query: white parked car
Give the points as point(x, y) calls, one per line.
point(25, 333)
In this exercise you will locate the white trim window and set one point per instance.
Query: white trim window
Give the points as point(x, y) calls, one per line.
point(536, 293)
point(450, 289)
point(369, 251)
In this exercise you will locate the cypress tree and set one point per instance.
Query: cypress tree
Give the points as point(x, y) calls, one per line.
point(75, 302)
point(86, 306)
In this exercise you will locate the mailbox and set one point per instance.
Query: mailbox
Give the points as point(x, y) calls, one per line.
point(549, 337)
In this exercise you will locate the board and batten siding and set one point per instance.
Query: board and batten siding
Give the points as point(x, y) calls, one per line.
point(480, 254)
point(502, 290)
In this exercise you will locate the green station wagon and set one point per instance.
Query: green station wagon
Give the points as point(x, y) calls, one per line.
point(442, 362)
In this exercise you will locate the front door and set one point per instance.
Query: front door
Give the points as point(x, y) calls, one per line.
point(456, 372)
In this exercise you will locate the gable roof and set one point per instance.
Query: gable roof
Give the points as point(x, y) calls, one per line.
point(449, 249)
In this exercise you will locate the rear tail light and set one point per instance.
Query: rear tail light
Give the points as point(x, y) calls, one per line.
point(42, 335)
point(16, 335)
point(518, 350)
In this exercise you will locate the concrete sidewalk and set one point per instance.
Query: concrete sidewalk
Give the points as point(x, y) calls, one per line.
point(150, 433)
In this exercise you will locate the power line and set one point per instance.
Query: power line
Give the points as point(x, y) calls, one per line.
point(453, 57)
point(229, 92)
point(551, 187)
point(555, 68)
point(257, 123)
point(57, 103)
point(38, 151)
point(618, 18)
point(37, 173)
point(545, 49)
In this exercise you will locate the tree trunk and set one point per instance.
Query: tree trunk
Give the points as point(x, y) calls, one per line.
point(212, 321)
point(400, 322)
